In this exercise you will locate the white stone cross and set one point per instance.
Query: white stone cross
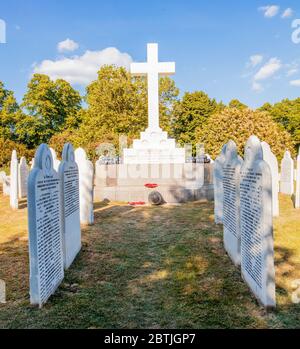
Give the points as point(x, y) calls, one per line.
point(153, 69)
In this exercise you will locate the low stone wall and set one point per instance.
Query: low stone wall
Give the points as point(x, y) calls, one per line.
point(177, 183)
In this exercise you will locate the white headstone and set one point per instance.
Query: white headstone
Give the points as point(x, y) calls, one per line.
point(218, 186)
point(5, 180)
point(56, 162)
point(257, 246)
point(70, 211)
point(44, 221)
point(23, 173)
point(209, 159)
point(6, 185)
point(297, 196)
point(86, 187)
point(2, 292)
point(14, 181)
point(32, 164)
point(2, 176)
point(287, 174)
point(231, 203)
point(271, 160)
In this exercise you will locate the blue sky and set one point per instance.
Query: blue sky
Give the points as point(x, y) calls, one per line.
point(230, 49)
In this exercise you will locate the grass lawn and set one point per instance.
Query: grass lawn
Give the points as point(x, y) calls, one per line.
point(149, 267)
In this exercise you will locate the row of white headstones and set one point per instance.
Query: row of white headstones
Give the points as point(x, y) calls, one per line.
point(60, 196)
point(20, 175)
point(60, 199)
point(246, 200)
point(15, 185)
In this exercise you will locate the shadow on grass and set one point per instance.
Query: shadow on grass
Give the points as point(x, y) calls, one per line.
point(287, 312)
point(145, 267)
point(106, 209)
point(14, 271)
point(101, 204)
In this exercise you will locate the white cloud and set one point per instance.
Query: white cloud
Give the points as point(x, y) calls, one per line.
point(265, 72)
point(270, 10)
point(292, 68)
point(287, 13)
point(67, 45)
point(257, 87)
point(255, 60)
point(292, 71)
point(268, 70)
point(83, 69)
point(295, 83)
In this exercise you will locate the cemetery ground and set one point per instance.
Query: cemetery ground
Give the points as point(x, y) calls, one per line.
point(149, 267)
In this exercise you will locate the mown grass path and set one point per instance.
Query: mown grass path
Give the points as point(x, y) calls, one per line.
point(149, 267)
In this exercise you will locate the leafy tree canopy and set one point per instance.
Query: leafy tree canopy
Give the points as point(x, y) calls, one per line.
point(235, 103)
point(118, 105)
point(266, 107)
point(9, 113)
point(6, 148)
point(51, 107)
point(287, 113)
point(238, 125)
point(191, 113)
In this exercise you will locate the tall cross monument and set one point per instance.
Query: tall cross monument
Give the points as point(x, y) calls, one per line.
point(153, 69)
point(154, 146)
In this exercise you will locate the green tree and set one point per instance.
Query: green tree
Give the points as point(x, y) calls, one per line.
point(238, 125)
point(6, 148)
point(118, 105)
point(287, 113)
point(192, 113)
point(235, 103)
point(168, 93)
point(52, 107)
point(266, 107)
point(9, 113)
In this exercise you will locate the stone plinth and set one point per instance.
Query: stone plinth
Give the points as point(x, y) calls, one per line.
point(177, 183)
point(154, 147)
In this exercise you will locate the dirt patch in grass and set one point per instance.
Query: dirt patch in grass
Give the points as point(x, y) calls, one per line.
point(149, 267)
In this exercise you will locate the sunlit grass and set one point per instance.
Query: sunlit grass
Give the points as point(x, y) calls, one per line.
point(149, 267)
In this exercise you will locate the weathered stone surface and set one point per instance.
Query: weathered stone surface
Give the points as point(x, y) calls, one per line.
point(106, 175)
point(154, 146)
point(56, 162)
point(257, 246)
point(218, 186)
point(297, 196)
point(155, 198)
point(231, 203)
point(176, 182)
point(44, 222)
point(287, 174)
point(14, 204)
point(70, 208)
point(86, 186)
point(271, 160)
point(23, 172)
point(5, 180)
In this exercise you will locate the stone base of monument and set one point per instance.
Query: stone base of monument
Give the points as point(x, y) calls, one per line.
point(177, 183)
point(154, 147)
